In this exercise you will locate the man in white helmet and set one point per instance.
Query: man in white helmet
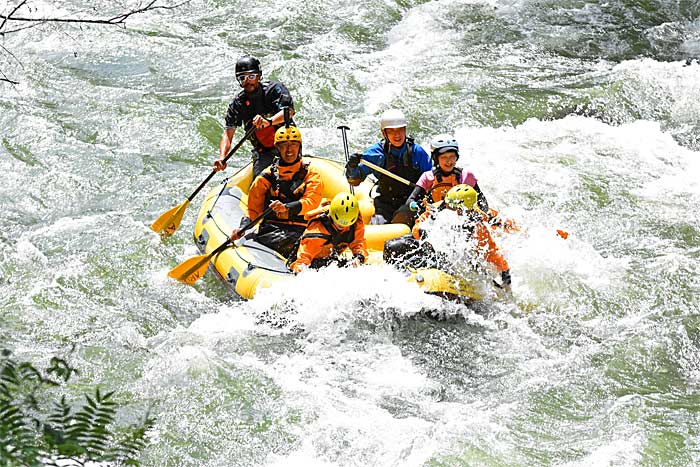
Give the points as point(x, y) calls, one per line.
point(398, 154)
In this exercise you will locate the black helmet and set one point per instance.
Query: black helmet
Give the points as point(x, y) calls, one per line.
point(247, 64)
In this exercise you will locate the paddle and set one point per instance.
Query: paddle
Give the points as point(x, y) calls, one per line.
point(344, 129)
point(192, 269)
point(169, 221)
point(382, 170)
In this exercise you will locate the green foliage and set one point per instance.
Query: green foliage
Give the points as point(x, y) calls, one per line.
point(34, 433)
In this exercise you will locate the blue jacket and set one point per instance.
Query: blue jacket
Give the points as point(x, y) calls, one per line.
point(375, 154)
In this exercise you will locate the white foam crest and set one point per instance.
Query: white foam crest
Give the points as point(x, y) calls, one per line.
point(689, 359)
point(623, 451)
point(372, 439)
point(536, 147)
point(673, 85)
point(64, 226)
point(541, 251)
point(229, 321)
point(130, 337)
point(487, 151)
point(322, 370)
point(303, 457)
point(691, 44)
point(316, 299)
point(26, 251)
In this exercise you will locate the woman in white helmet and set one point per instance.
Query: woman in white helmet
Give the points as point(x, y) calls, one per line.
point(398, 154)
point(445, 174)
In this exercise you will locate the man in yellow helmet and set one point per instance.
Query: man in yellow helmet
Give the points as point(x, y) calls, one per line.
point(290, 187)
point(416, 250)
point(331, 233)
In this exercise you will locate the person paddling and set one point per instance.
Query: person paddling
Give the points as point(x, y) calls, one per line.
point(261, 104)
point(414, 249)
point(330, 234)
point(291, 187)
point(398, 154)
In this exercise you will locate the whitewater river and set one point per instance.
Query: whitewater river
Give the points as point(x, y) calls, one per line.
point(576, 115)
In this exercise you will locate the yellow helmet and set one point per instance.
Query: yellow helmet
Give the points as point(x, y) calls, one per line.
point(461, 197)
point(344, 209)
point(284, 134)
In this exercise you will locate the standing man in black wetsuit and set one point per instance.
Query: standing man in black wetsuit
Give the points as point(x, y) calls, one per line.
point(261, 104)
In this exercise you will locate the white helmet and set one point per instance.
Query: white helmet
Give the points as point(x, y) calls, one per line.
point(443, 143)
point(393, 118)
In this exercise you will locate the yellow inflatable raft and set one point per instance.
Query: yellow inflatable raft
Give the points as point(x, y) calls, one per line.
point(249, 266)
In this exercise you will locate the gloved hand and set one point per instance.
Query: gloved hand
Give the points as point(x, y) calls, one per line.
point(505, 277)
point(505, 282)
point(357, 260)
point(354, 161)
point(494, 220)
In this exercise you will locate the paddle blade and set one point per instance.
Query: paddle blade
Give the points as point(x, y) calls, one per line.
point(169, 221)
point(191, 270)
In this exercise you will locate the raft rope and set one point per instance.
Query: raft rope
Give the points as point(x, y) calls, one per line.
point(250, 247)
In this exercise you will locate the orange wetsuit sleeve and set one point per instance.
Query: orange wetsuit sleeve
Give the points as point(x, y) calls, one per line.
point(422, 218)
point(313, 194)
point(487, 246)
point(256, 196)
point(311, 248)
point(359, 244)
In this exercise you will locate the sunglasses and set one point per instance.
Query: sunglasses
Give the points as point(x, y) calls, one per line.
point(242, 78)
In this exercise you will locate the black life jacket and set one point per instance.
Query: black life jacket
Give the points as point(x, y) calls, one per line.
point(440, 185)
point(286, 191)
point(391, 191)
point(264, 101)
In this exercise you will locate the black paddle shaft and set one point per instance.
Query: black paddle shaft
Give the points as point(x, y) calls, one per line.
point(230, 153)
point(252, 223)
point(344, 131)
point(247, 227)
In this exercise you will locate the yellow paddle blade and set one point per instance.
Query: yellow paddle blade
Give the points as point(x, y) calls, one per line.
point(191, 270)
point(169, 221)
